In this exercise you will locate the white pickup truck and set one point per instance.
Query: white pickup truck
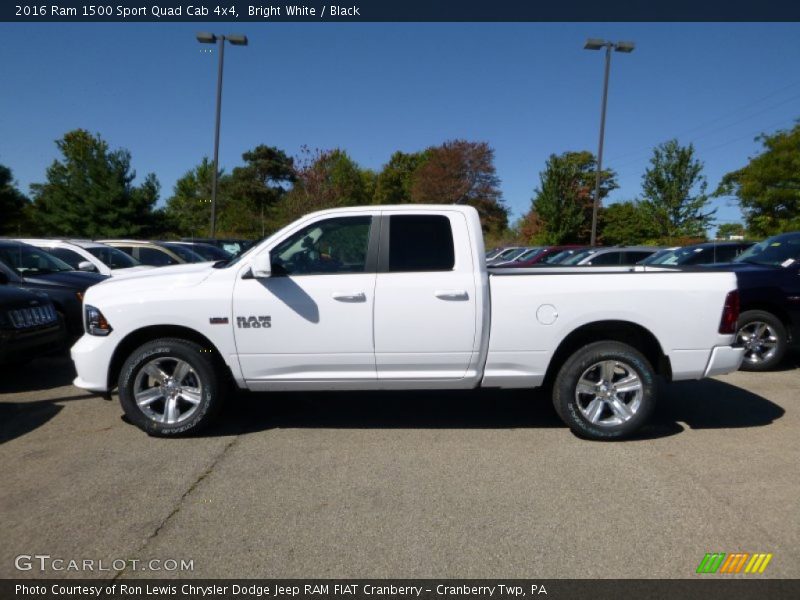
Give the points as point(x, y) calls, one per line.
point(399, 297)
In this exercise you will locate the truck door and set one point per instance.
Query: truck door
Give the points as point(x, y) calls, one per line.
point(425, 297)
point(311, 320)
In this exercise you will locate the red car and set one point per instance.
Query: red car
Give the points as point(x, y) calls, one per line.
point(538, 256)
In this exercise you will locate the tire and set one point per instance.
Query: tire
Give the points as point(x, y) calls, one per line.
point(163, 403)
point(585, 391)
point(764, 338)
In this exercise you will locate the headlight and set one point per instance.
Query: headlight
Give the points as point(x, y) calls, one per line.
point(94, 321)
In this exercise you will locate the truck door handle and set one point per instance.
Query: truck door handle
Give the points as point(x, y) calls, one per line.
point(349, 296)
point(451, 294)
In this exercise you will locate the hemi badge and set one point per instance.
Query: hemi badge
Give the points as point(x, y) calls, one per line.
point(218, 320)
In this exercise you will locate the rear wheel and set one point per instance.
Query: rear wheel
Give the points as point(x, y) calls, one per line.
point(605, 391)
point(169, 387)
point(763, 337)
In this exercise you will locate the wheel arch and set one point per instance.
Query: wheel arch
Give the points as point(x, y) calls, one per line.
point(766, 306)
point(626, 332)
point(145, 334)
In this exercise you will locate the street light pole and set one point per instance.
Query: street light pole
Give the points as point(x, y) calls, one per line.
point(210, 38)
point(594, 44)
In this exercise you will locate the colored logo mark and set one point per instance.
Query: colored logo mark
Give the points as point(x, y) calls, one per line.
point(736, 562)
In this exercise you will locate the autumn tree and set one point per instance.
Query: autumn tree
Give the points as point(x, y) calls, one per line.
point(768, 188)
point(462, 172)
point(674, 193)
point(89, 192)
point(564, 199)
point(325, 179)
point(12, 204)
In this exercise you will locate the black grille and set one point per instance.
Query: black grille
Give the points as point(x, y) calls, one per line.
point(22, 318)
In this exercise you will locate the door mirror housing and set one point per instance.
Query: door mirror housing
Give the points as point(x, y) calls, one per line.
point(85, 265)
point(261, 267)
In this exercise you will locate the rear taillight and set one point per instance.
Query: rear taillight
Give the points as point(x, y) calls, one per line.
point(730, 313)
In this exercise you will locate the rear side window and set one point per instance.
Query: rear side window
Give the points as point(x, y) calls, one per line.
point(72, 258)
point(607, 258)
point(155, 258)
point(420, 243)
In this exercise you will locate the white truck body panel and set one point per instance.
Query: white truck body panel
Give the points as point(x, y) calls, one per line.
point(455, 328)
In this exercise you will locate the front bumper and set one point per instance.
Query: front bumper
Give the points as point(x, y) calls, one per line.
point(92, 357)
point(18, 345)
point(724, 359)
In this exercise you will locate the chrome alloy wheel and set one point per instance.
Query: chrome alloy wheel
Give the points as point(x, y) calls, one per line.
point(760, 341)
point(167, 390)
point(609, 393)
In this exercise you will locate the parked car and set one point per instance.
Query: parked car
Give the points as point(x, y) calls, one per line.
point(563, 256)
point(323, 304)
point(233, 246)
point(34, 269)
point(658, 255)
point(535, 256)
point(155, 254)
point(769, 292)
point(707, 253)
point(207, 251)
point(507, 254)
point(85, 255)
point(29, 325)
point(612, 256)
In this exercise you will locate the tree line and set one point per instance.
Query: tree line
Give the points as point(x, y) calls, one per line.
point(89, 191)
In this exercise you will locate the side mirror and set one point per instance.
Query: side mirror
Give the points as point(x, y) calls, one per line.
point(261, 267)
point(85, 265)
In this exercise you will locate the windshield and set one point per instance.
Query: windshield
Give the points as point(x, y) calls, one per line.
point(112, 257)
point(208, 251)
point(528, 254)
point(27, 260)
point(579, 256)
point(657, 257)
point(777, 251)
point(559, 257)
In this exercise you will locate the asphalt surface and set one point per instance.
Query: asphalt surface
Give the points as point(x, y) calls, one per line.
point(480, 484)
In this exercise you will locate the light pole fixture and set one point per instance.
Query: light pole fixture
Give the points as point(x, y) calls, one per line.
point(596, 44)
point(236, 40)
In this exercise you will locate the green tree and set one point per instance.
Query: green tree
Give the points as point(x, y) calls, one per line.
point(188, 210)
point(674, 192)
point(727, 230)
point(625, 223)
point(564, 199)
point(462, 172)
point(768, 188)
point(393, 183)
point(90, 191)
point(255, 190)
point(326, 179)
point(13, 204)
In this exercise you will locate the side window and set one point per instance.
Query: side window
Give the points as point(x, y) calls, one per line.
point(727, 253)
point(155, 258)
point(126, 249)
point(420, 243)
point(631, 258)
point(70, 257)
point(609, 258)
point(337, 245)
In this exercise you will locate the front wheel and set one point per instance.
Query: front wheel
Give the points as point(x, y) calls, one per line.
point(605, 391)
point(763, 337)
point(169, 387)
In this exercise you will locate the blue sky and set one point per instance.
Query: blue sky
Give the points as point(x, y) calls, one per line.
point(529, 89)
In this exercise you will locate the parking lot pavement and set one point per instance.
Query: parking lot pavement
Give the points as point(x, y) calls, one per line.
point(482, 484)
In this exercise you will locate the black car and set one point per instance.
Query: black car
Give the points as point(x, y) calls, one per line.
point(28, 267)
point(29, 325)
point(769, 297)
point(707, 253)
point(205, 251)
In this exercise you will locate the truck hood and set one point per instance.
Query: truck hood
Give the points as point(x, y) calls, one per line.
point(175, 276)
point(76, 280)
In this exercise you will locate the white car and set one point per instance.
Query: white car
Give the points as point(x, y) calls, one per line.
point(399, 297)
point(85, 255)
